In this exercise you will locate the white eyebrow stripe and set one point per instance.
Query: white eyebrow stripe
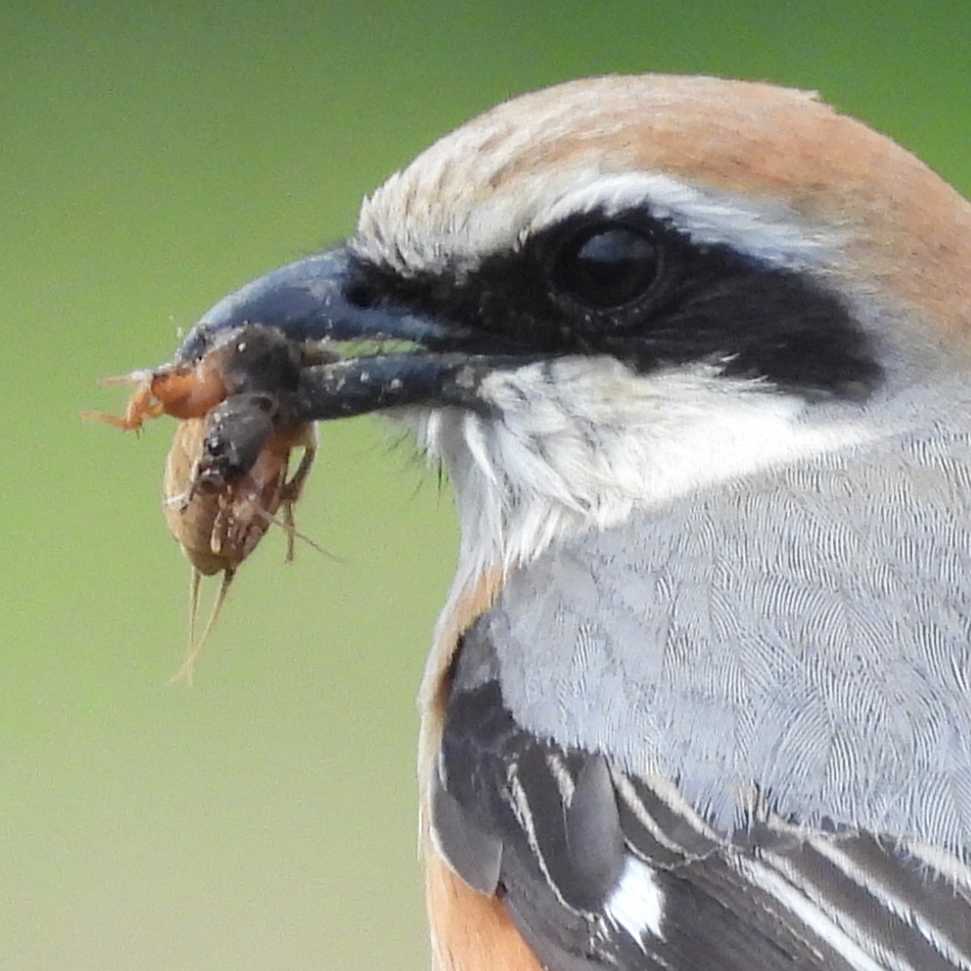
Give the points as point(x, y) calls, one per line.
point(765, 229)
point(411, 231)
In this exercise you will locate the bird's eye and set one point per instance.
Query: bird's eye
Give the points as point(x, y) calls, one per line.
point(606, 266)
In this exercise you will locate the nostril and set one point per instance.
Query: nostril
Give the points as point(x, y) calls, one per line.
point(360, 295)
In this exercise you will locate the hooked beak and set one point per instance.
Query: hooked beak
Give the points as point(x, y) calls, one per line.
point(310, 301)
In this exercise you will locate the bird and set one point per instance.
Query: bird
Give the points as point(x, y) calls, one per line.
point(695, 356)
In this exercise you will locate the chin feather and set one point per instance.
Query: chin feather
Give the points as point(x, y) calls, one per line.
point(579, 443)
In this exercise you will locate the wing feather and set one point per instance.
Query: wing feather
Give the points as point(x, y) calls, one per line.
point(734, 733)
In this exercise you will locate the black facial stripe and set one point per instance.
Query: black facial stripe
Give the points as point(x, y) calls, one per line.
point(709, 303)
point(763, 322)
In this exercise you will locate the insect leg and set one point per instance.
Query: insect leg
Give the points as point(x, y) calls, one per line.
point(290, 493)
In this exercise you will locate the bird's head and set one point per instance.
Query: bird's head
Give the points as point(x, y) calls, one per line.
point(599, 296)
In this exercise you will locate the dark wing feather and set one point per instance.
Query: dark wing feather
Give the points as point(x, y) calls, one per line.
point(555, 831)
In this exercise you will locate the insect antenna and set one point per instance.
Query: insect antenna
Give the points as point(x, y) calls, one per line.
point(288, 525)
point(195, 584)
point(141, 376)
point(187, 669)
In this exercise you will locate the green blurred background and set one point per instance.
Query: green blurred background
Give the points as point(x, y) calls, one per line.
point(153, 157)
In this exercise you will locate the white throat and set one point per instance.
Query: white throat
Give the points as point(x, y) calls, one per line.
point(579, 443)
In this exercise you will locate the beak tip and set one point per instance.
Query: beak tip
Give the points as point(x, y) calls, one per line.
point(290, 298)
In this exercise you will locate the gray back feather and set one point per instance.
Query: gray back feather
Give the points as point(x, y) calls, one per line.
point(805, 633)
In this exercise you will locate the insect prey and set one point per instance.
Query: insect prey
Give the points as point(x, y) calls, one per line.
point(226, 478)
point(225, 481)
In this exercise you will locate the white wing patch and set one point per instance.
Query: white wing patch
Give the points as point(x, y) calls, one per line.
point(637, 904)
